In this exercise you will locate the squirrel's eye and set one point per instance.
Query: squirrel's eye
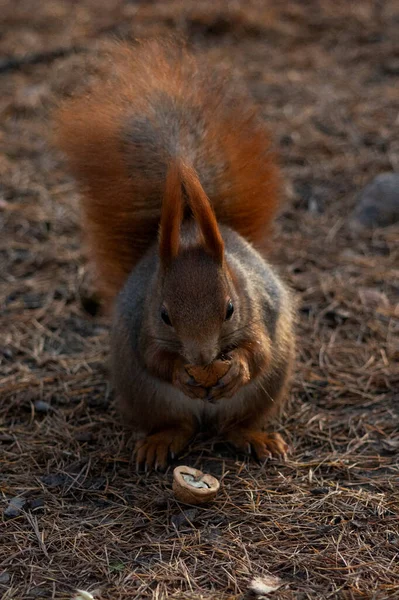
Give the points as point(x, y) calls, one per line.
point(229, 310)
point(165, 316)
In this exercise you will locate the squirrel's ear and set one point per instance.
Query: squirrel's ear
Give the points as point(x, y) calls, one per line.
point(171, 217)
point(203, 214)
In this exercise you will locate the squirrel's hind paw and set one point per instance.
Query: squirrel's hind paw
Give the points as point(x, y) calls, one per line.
point(154, 450)
point(262, 444)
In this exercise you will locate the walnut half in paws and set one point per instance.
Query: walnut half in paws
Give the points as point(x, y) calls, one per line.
point(207, 376)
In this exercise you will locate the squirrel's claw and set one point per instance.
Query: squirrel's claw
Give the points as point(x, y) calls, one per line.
point(263, 445)
point(154, 450)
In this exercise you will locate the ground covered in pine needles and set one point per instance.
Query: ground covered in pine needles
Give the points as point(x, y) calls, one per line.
point(74, 512)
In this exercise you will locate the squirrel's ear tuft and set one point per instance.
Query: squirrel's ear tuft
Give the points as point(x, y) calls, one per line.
point(203, 214)
point(172, 215)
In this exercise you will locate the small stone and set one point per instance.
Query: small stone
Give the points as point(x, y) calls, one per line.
point(36, 504)
point(38, 592)
point(378, 203)
point(4, 577)
point(41, 406)
point(14, 508)
point(53, 480)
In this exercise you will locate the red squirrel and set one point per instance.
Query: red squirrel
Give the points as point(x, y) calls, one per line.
point(179, 190)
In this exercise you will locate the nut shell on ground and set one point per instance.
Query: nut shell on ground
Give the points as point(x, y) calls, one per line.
point(193, 486)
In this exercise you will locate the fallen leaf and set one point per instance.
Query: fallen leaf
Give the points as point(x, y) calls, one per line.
point(265, 585)
point(83, 595)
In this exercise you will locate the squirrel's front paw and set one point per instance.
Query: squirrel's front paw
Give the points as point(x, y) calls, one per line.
point(154, 450)
point(237, 376)
point(187, 384)
point(262, 444)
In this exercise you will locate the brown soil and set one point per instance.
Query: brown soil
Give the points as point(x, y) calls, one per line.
point(325, 521)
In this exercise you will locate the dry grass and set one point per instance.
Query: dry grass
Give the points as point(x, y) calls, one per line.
point(326, 521)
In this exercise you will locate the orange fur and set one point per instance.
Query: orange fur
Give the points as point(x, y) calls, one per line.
point(261, 443)
point(203, 213)
point(171, 216)
point(105, 136)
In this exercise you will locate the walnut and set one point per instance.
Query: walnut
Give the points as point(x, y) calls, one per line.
point(194, 487)
point(208, 375)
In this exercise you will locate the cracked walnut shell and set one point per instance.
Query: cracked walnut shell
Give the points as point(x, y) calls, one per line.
point(193, 486)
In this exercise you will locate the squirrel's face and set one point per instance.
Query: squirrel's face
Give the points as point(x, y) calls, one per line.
point(198, 307)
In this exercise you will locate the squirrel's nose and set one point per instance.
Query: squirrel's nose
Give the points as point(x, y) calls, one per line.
point(200, 356)
point(206, 357)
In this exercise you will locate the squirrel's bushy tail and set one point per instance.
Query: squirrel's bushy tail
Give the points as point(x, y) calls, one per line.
point(161, 107)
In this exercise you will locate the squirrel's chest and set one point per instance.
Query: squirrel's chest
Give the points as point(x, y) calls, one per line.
point(209, 416)
point(214, 415)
